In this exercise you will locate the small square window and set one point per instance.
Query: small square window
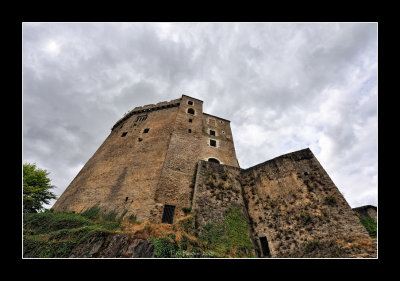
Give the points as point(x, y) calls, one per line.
point(213, 143)
point(124, 134)
point(190, 130)
point(190, 103)
point(212, 132)
point(146, 130)
point(190, 120)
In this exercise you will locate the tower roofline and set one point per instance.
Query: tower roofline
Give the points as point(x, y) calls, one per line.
point(217, 117)
point(191, 97)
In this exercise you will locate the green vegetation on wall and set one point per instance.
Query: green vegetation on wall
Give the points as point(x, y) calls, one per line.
point(228, 239)
point(370, 225)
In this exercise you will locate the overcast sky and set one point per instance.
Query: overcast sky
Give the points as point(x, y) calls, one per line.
point(283, 86)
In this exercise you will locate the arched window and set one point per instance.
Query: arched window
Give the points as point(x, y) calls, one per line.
point(190, 111)
point(213, 160)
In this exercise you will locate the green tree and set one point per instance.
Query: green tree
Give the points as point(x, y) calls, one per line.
point(36, 187)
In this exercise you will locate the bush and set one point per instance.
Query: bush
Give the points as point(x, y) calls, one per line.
point(330, 199)
point(132, 218)
point(186, 210)
point(311, 246)
point(110, 216)
point(93, 213)
point(164, 247)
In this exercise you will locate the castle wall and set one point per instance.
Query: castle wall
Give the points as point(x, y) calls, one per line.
point(366, 211)
point(142, 172)
point(291, 201)
point(124, 172)
point(181, 158)
point(217, 187)
point(224, 150)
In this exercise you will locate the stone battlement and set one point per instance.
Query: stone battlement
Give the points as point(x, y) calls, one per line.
point(147, 108)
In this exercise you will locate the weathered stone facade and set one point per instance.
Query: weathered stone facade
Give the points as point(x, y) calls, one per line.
point(141, 171)
point(367, 211)
point(289, 200)
point(159, 155)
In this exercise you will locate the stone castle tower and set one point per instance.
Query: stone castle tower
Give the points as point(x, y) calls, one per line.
point(149, 159)
point(162, 158)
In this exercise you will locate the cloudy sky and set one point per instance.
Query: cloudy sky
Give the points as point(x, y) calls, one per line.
point(283, 86)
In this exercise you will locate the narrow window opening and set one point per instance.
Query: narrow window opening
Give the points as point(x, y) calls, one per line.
point(190, 130)
point(190, 111)
point(190, 103)
point(212, 133)
point(141, 118)
point(213, 160)
point(190, 120)
point(168, 215)
point(264, 247)
point(126, 199)
point(124, 134)
point(146, 130)
point(213, 143)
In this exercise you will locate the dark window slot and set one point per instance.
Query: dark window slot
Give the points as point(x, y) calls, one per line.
point(264, 247)
point(212, 132)
point(146, 130)
point(168, 215)
point(124, 134)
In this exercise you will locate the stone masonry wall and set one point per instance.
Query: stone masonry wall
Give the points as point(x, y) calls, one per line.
point(124, 172)
point(142, 172)
point(290, 200)
point(217, 187)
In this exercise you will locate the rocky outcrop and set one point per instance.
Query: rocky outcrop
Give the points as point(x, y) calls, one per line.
point(115, 246)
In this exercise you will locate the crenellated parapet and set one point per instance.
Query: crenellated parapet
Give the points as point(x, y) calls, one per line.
point(148, 108)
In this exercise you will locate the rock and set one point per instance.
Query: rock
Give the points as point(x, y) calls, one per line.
point(89, 248)
point(140, 249)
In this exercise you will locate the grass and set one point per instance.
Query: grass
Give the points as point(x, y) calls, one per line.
point(55, 235)
point(370, 225)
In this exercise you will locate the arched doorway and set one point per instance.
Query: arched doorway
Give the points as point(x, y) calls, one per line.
point(213, 160)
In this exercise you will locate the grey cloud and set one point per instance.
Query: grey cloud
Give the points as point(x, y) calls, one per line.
point(274, 76)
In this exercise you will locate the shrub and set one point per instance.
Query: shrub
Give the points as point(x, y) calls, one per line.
point(132, 218)
point(330, 199)
point(310, 246)
point(186, 210)
point(110, 216)
point(305, 218)
point(164, 247)
point(92, 213)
